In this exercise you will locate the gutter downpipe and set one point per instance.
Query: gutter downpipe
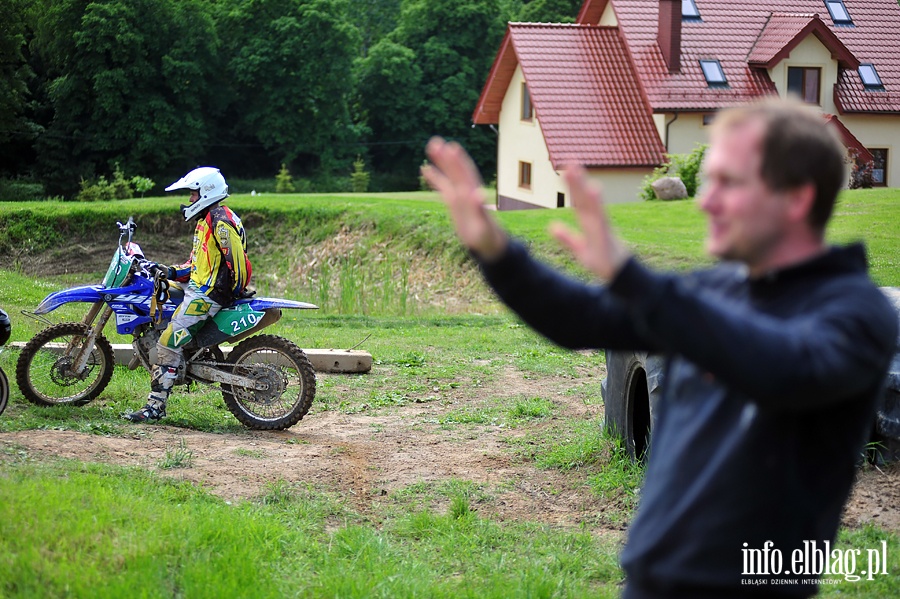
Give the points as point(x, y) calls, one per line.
point(666, 144)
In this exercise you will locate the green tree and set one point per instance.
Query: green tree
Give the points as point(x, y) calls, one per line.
point(389, 85)
point(374, 19)
point(128, 81)
point(452, 45)
point(289, 63)
point(284, 182)
point(16, 128)
point(550, 11)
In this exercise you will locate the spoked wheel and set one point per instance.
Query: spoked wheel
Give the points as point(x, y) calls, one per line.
point(45, 369)
point(4, 391)
point(287, 379)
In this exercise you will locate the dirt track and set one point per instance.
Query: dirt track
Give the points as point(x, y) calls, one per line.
point(364, 458)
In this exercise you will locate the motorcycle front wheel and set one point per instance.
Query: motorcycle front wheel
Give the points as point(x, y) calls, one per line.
point(287, 374)
point(44, 371)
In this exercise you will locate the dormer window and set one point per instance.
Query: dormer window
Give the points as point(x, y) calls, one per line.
point(838, 12)
point(870, 79)
point(689, 10)
point(712, 70)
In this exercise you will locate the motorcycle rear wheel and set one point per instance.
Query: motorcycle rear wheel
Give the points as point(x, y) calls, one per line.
point(43, 371)
point(290, 377)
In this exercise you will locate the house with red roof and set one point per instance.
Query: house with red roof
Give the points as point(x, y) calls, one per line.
point(633, 80)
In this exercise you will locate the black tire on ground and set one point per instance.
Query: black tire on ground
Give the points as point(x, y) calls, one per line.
point(630, 392)
point(43, 373)
point(4, 391)
point(289, 374)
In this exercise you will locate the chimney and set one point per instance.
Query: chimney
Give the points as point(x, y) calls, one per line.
point(669, 33)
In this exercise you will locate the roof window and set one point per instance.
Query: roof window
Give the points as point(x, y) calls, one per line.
point(870, 79)
point(689, 10)
point(838, 12)
point(712, 70)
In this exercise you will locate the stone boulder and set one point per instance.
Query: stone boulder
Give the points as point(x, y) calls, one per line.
point(669, 188)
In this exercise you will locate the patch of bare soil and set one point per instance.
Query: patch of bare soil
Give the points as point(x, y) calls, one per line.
point(360, 456)
point(366, 457)
point(875, 498)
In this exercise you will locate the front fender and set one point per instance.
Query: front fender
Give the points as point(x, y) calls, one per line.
point(86, 293)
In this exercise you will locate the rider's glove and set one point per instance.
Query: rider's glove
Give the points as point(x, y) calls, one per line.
point(167, 272)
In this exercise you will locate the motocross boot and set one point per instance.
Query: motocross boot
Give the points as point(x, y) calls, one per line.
point(160, 388)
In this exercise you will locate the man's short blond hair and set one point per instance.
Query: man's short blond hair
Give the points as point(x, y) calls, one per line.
point(798, 147)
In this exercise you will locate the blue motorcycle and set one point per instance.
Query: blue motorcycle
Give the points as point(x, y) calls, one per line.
point(267, 381)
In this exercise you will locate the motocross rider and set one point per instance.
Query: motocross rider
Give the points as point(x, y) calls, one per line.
point(216, 273)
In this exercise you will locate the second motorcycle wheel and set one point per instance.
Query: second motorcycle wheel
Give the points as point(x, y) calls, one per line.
point(45, 371)
point(285, 372)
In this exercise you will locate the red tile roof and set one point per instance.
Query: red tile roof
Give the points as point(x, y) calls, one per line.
point(782, 33)
point(582, 85)
point(731, 32)
point(848, 138)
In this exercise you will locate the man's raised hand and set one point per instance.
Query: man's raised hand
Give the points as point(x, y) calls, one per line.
point(596, 247)
point(453, 174)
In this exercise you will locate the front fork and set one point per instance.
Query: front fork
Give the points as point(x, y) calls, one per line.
point(87, 345)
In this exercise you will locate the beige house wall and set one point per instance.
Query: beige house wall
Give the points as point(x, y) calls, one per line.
point(879, 132)
point(619, 186)
point(608, 18)
point(523, 141)
point(685, 132)
point(809, 53)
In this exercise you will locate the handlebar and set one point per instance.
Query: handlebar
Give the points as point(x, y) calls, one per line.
point(128, 227)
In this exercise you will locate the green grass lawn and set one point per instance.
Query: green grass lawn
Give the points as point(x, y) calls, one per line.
point(80, 529)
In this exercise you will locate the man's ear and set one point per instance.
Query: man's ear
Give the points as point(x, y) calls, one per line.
point(800, 202)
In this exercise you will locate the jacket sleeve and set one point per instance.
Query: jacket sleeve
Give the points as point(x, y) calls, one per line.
point(182, 272)
point(568, 312)
point(837, 349)
point(233, 255)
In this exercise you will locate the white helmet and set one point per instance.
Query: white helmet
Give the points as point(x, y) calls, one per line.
point(209, 182)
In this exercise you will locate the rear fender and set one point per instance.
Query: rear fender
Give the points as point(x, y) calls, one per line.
point(264, 303)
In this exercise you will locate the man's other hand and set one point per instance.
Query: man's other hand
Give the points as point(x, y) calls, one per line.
point(453, 174)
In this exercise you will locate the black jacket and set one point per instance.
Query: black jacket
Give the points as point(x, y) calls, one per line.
point(770, 394)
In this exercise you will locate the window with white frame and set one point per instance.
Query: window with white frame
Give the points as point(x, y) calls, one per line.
point(869, 77)
point(689, 10)
point(838, 12)
point(712, 71)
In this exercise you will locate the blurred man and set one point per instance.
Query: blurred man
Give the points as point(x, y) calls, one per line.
point(774, 358)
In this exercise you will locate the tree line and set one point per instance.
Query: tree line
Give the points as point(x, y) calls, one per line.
point(155, 87)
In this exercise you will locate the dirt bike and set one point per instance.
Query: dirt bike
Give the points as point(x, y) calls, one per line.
point(5, 329)
point(267, 382)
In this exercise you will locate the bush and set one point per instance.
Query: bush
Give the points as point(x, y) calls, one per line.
point(121, 187)
point(142, 184)
point(96, 191)
point(17, 190)
point(860, 171)
point(359, 178)
point(284, 183)
point(684, 166)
